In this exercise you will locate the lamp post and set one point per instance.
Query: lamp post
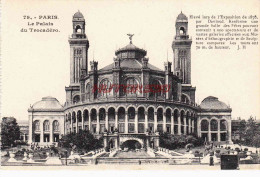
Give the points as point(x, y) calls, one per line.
point(66, 154)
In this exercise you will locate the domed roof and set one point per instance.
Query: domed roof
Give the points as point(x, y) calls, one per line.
point(130, 47)
point(130, 64)
point(212, 103)
point(47, 103)
point(78, 15)
point(182, 18)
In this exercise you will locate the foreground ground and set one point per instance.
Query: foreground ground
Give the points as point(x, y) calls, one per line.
point(130, 167)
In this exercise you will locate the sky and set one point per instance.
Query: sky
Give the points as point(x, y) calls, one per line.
point(35, 65)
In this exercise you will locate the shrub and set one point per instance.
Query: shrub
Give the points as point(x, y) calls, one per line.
point(189, 146)
point(246, 149)
point(107, 149)
point(237, 149)
point(228, 147)
point(217, 151)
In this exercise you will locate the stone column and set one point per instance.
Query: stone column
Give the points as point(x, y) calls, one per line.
point(116, 120)
point(107, 127)
point(218, 138)
point(145, 121)
point(164, 121)
point(76, 123)
point(192, 125)
point(71, 124)
point(155, 121)
point(189, 124)
point(185, 124)
point(23, 137)
point(98, 124)
point(198, 127)
point(229, 131)
point(89, 123)
point(30, 128)
point(41, 135)
point(51, 131)
point(179, 124)
point(126, 122)
point(147, 142)
point(136, 121)
point(116, 143)
point(172, 124)
point(82, 121)
point(209, 132)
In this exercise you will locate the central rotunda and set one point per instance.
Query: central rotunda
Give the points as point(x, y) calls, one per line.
point(130, 99)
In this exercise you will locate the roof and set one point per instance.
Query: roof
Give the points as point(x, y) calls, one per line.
point(212, 103)
point(78, 15)
point(47, 103)
point(182, 18)
point(130, 47)
point(130, 64)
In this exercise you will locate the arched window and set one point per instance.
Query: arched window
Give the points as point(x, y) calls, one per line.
point(155, 88)
point(78, 29)
point(182, 117)
point(37, 125)
point(88, 91)
point(56, 126)
point(185, 99)
point(159, 114)
point(214, 125)
point(204, 125)
point(105, 87)
point(141, 114)
point(46, 125)
point(69, 117)
point(74, 117)
point(76, 99)
point(111, 114)
point(223, 125)
point(151, 114)
point(175, 116)
point(168, 115)
point(131, 113)
point(131, 87)
point(182, 31)
point(85, 115)
point(102, 114)
point(79, 116)
point(93, 115)
point(121, 114)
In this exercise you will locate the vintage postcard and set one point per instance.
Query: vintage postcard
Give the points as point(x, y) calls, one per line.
point(140, 85)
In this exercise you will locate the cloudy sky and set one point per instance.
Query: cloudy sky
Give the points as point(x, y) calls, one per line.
point(35, 65)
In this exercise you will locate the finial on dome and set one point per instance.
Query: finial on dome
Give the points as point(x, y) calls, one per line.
point(130, 37)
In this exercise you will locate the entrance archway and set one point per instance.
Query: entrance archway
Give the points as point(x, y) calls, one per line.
point(132, 144)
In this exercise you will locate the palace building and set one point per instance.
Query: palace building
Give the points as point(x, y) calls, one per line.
point(129, 99)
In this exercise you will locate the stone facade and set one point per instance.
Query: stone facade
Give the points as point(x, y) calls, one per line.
point(130, 99)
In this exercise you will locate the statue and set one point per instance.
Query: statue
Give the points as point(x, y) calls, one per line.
point(130, 37)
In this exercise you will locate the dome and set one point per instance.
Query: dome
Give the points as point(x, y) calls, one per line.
point(212, 103)
point(130, 64)
point(182, 18)
point(131, 47)
point(47, 103)
point(78, 15)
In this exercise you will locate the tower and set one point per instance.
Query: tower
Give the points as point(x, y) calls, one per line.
point(79, 45)
point(181, 49)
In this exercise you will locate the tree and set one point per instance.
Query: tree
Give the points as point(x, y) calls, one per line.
point(83, 140)
point(10, 131)
point(252, 130)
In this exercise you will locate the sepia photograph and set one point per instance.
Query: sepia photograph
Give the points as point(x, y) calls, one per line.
point(130, 85)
